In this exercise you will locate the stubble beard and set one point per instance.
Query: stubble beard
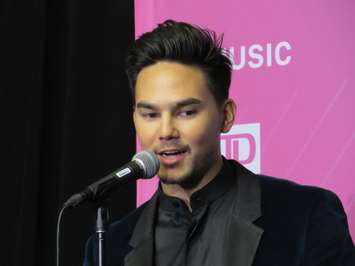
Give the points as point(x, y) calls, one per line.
point(194, 176)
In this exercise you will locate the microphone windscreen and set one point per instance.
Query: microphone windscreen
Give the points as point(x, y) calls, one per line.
point(148, 162)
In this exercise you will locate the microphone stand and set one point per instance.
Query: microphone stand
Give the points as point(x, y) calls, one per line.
point(101, 228)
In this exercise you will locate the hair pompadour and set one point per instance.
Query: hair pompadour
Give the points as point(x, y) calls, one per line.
point(182, 43)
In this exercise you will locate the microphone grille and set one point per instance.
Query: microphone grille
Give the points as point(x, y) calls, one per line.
point(148, 162)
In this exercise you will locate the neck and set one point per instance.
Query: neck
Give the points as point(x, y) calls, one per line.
point(176, 190)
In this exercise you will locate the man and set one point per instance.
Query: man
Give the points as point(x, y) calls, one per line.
point(209, 210)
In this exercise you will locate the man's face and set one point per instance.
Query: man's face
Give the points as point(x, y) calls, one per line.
point(177, 117)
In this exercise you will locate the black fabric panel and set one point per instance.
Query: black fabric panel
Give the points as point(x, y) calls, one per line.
point(66, 120)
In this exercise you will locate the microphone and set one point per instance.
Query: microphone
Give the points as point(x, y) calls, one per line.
point(144, 164)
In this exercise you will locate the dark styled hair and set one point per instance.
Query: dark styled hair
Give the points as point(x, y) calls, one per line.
point(182, 43)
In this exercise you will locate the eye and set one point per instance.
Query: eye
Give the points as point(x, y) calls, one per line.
point(149, 115)
point(187, 113)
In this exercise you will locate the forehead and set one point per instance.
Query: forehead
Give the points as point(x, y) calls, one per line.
point(169, 82)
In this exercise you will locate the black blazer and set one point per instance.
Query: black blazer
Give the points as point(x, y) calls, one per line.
point(275, 223)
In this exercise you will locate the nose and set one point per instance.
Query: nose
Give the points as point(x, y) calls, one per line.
point(168, 130)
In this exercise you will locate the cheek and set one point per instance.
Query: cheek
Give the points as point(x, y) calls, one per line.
point(202, 132)
point(145, 132)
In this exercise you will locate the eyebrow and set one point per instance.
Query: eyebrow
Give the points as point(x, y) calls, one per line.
point(178, 104)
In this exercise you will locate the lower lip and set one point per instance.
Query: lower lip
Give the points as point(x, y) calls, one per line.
point(172, 159)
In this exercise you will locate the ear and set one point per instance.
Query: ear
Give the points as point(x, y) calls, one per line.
point(229, 109)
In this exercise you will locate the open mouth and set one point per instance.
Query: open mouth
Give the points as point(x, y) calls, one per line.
point(172, 157)
point(171, 153)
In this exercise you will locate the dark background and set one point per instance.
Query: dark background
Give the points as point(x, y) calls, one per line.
point(65, 120)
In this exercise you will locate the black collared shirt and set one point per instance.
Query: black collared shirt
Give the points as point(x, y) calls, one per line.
point(195, 238)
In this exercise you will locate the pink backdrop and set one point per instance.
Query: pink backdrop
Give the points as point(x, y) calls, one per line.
point(293, 81)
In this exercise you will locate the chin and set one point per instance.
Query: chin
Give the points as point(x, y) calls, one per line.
point(187, 181)
point(169, 179)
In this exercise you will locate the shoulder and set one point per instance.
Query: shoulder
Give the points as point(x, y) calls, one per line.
point(314, 214)
point(118, 236)
point(286, 192)
point(277, 189)
point(281, 195)
point(311, 210)
point(125, 226)
point(305, 218)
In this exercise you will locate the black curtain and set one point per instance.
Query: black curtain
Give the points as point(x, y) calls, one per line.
point(65, 120)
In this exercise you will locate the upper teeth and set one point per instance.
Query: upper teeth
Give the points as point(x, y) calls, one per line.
point(170, 152)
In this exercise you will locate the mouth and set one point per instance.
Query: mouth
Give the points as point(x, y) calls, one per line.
point(170, 157)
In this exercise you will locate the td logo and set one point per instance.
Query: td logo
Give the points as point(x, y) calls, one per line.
point(242, 143)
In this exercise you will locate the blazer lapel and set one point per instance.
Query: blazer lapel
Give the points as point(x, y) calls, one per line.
point(243, 236)
point(142, 240)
